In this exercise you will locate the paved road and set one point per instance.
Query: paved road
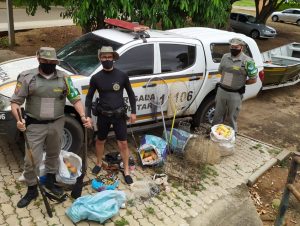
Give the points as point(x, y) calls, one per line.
point(40, 19)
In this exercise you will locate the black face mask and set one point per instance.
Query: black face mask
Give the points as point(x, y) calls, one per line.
point(107, 64)
point(235, 52)
point(47, 68)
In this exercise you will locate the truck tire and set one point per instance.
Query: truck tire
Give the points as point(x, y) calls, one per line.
point(298, 22)
point(73, 135)
point(205, 112)
point(274, 18)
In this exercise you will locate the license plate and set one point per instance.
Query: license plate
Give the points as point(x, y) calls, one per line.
point(3, 116)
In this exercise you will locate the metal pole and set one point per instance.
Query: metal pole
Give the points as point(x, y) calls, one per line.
point(10, 18)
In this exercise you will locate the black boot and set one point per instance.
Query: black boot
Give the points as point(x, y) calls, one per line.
point(31, 194)
point(58, 191)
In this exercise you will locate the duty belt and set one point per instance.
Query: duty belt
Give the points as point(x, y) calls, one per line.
point(116, 113)
point(240, 90)
point(30, 120)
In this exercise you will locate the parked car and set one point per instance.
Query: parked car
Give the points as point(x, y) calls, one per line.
point(287, 15)
point(142, 57)
point(246, 24)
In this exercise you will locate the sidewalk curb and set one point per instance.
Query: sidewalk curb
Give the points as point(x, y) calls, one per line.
point(269, 164)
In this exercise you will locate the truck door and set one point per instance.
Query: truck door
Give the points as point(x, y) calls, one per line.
point(138, 63)
point(184, 62)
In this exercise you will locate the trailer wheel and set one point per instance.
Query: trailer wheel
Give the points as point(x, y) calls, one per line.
point(72, 139)
point(205, 112)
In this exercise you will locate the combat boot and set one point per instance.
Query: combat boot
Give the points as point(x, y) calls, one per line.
point(58, 191)
point(31, 194)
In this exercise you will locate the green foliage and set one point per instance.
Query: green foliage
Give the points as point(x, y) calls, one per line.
point(31, 5)
point(4, 42)
point(290, 4)
point(163, 14)
point(121, 222)
point(150, 210)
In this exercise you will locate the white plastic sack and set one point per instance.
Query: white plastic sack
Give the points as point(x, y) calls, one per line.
point(64, 175)
point(226, 144)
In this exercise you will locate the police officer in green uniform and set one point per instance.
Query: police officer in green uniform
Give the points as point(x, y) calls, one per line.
point(237, 70)
point(45, 90)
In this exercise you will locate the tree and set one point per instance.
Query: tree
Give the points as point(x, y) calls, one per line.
point(264, 8)
point(90, 14)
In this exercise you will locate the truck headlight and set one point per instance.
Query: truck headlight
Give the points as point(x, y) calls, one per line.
point(4, 102)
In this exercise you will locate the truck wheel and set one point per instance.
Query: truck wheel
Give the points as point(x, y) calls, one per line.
point(254, 34)
point(298, 22)
point(274, 18)
point(73, 135)
point(205, 112)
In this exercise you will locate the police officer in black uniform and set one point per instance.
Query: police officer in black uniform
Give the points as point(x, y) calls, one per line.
point(110, 84)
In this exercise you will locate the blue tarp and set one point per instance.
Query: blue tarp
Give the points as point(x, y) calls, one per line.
point(98, 207)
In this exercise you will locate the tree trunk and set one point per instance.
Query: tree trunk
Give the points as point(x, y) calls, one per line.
point(264, 8)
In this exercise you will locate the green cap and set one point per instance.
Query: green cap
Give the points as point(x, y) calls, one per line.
point(47, 53)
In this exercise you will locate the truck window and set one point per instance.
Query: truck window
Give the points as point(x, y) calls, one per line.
point(176, 57)
point(137, 61)
point(219, 49)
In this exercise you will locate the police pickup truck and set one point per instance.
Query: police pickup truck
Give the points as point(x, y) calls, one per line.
point(190, 54)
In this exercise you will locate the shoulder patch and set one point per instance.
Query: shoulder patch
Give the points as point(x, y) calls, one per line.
point(18, 87)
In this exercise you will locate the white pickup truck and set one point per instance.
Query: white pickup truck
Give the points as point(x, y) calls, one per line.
point(158, 53)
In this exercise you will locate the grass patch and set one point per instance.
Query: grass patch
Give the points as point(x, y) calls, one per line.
point(38, 203)
point(284, 163)
point(193, 193)
point(18, 186)
point(246, 3)
point(121, 222)
point(176, 203)
point(202, 187)
point(4, 42)
point(130, 202)
point(184, 193)
point(150, 210)
point(176, 184)
point(159, 198)
point(207, 171)
point(9, 193)
point(274, 151)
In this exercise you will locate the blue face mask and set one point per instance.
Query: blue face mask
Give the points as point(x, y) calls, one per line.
point(107, 64)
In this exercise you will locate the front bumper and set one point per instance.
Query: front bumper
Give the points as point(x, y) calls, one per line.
point(267, 35)
point(8, 125)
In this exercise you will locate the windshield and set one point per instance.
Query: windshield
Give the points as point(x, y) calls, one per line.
point(81, 55)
